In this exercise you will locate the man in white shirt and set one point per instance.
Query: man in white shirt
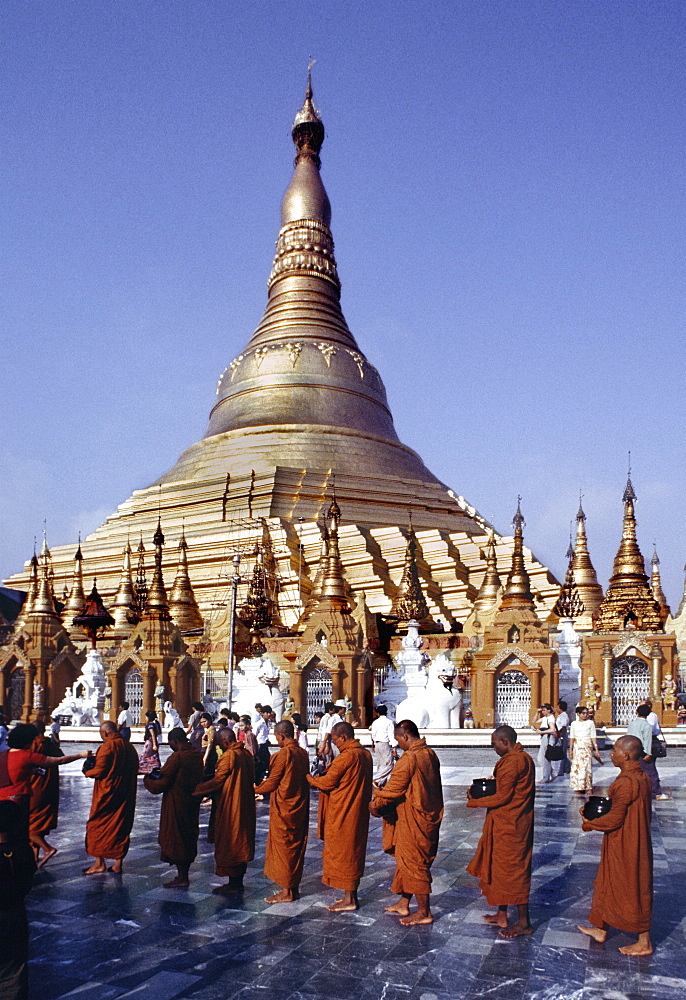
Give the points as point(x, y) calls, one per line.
point(652, 718)
point(261, 731)
point(383, 741)
point(562, 725)
point(124, 720)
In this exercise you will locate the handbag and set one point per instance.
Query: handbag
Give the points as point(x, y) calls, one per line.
point(658, 748)
point(554, 752)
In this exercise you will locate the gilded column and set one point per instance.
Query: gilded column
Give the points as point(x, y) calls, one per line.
point(535, 675)
point(296, 686)
point(27, 708)
point(607, 670)
point(656, 657)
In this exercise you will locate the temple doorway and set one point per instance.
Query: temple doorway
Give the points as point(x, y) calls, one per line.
point(513, 699)
point(630, 686)
point(317, 690)
point(133, 693)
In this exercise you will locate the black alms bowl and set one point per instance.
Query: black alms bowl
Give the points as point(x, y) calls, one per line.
point(482, 787)
point(597, 806)
point(88, 764)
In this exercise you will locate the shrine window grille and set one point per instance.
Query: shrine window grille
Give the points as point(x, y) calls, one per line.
point(513, 699)
point(630, 686)
point(317, 690)
point(133, 693)
point(215, 685)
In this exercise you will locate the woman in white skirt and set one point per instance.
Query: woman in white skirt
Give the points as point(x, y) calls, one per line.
point(583, 747)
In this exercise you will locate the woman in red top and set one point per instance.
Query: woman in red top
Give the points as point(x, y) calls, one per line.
point(20, 763)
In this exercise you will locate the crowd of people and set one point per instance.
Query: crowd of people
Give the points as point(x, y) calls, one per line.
point(227, 762)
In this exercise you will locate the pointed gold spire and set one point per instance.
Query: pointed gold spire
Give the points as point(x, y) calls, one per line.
point(585, 579)
point(656, 586)
point(141, 586)
point(30, 594)
point(318, 581)
point(629, 601)
point(156, 605)
point(333, 585)
point(410, 603)
point(183, 606)
point(491, 585)
point(256, 613)
point(518, 587)
point(76, 600)
point(569, 604)
point(44, 602)
point(124, 607)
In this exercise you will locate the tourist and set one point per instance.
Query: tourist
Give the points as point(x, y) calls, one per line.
point(245, 734)
point(114, 801)
point(503, 858)
point(257, 714)
point(623, 888)
point(45, 797)
point(209, 753)
point(562, 725)
point(410, 833)
point(324, 745)
point(232, 820)
point(55, 729)
point(179, 815)
point(261, 730)
point(383, 742)
point(21, 762)
point(344, 815)
point(641, 728)
point(583, 747)
point(300, 731)
point(194, 730)
point(17, 868)
point(289, 812)
point(656, 742)
point(124, 720)
point(150, 755)
point(544, 722)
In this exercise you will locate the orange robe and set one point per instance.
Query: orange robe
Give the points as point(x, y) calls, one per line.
point(289, 815)
point(45, 790)
point(343, 819)
point(180, 812)
point(114, 799)
point(232, 820)
point(503, 857)
point(411, 833)
point(623, 888)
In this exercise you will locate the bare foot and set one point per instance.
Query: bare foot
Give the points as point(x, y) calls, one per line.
point(95, 870)
point(636, 949)
point(415, 918)
point(340, 906)
point(46, 857)
point(117, 868)
point(597, 933)
point(176, 883)
point(499, 919)
point(401, 908)
point(227, 890)
point(517, 930)
point(285, 896)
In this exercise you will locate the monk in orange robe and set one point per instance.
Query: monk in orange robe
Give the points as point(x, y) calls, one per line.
point(343, 819)
point(623, 889)
point(180, 813)
point(114, 801)
point(232, 820)
point(503, 857)
point(411, 803)
point(44, 803)
point(289, 813)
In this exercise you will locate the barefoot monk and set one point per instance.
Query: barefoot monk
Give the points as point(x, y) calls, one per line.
point(178, 835)
point(503, 857)
point(114, 800)
point(343, 824)
point(289, 813)
point(410, 831)
point(232, 820)
point(623, 889)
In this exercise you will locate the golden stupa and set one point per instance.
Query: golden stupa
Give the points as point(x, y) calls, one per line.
point(299, 410)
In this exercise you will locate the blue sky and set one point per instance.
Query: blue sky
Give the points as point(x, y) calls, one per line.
point(508, 208)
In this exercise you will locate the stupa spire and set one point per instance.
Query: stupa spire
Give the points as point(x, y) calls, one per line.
point(410, 603)
point(183, 606)
point(76, 600)
point(44, 602)
point(156, 606)
point(569, 603)
point(585, 579)
point(318, 581)
point(656, 586)
point(30, 593)
point(333, 585)
point(141, 585)
point(518, 587)
point(124, 607)
point(491, 584)
point(256, 612)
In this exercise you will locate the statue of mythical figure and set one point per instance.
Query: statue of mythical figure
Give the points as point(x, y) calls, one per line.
point(159, 697)
point(108, 699)
point(592, 693)
point(288, 708)
point(669, 692)
point(37, 695)
point(172, 719)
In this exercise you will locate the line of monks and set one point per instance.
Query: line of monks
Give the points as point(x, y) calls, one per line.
point(410, 805)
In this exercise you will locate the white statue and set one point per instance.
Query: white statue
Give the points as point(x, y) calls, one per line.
point(569, 654)
point(84, 702)
point(257, 680)
point(172, 719)
point(430, 698)
point(159, 697)
point(443, 697)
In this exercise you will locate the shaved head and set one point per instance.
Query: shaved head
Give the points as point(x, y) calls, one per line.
point(284, 728)
point(408, 728)
point(177, 736)
point(109, 727)
point(505, 734)
point(225, 737)
point(343, 729)
point(631, 746)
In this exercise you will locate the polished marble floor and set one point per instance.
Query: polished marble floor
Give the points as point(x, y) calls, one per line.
point(105, 937)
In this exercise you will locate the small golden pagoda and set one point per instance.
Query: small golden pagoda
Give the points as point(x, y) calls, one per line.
point(410, 603)
point(585, 580)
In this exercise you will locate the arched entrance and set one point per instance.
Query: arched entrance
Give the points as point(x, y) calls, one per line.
point(630, 686)
point(133, 693)
point(512, 699)
point(317, 690)
point(16, 693)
